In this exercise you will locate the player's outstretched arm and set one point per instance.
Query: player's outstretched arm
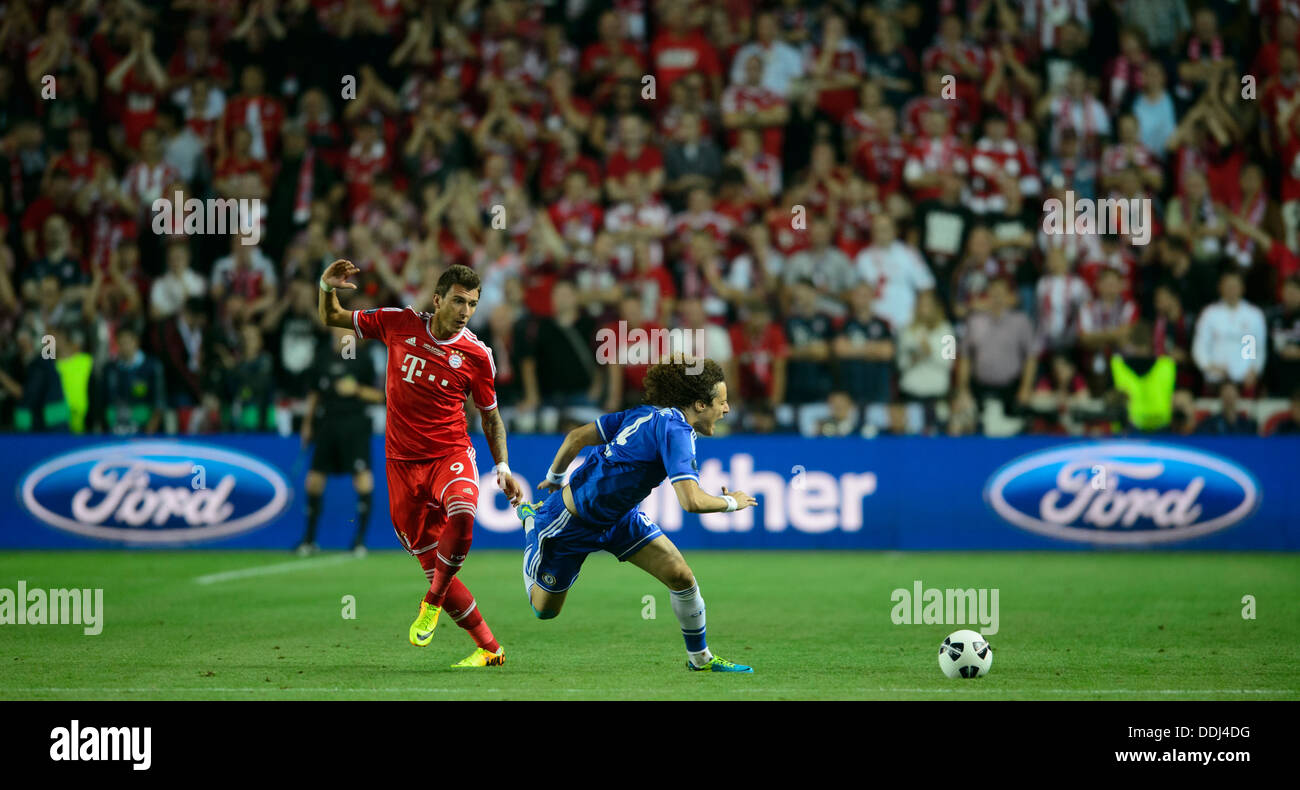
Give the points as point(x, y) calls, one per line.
point(327, 305)
point(694, 499)
point(574, 442)
point(494, 428)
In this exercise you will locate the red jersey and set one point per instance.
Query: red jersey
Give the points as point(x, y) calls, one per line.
point(1115, 158)
point(601, 57)
point(880, 161)
point(262, 116)
point(646, 161)
point(749, 98)
point(427, 382)
point(757, 357)
point(360, 168)
point(184, 64)
point(920, 105)
point(931, 155)
point(716, 224)
point(673, 57)
point(554, 169)
point(859, 126)
point(81, 168)
point(848, 59)
point(140, 105)
point(577, 222)
point(1290, 170)
point(785, 238)
point(988, 160)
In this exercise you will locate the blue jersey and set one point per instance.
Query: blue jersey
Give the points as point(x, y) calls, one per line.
point(643, 445)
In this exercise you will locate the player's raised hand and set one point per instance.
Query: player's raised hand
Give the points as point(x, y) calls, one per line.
point(510, 486)
point(337, 274)
point(743, 500)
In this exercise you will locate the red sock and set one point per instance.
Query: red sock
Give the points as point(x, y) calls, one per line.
point(462, 608)
point(453, 546)
point(428, 561)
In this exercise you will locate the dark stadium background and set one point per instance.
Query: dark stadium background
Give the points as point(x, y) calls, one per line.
point(470, 112)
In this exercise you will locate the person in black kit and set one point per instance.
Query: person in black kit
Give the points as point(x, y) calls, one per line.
point(1231, 420)
point(342, 385)
point(1290, 426)
point(809, 333)
point(1284, 339)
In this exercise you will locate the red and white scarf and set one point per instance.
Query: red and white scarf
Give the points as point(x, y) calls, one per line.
point(1066, 116)
point(1194, 48)
point(1241, 247)
point(1126, 73)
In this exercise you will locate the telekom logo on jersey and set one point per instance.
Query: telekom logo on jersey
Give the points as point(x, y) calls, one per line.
point(811, 502)
point(413, 366)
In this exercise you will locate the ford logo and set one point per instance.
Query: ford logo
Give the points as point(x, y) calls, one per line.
point(1122, 493)
point(154, 493)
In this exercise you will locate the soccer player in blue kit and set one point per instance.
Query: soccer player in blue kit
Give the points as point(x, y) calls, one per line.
point(599, 509)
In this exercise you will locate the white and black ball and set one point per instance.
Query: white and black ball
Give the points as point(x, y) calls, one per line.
point(965, 654)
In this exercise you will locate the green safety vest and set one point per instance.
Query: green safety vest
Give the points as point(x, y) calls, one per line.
point(1150, 396)
point(74, 372)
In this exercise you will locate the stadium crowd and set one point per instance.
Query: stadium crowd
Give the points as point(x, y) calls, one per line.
point(844, 199)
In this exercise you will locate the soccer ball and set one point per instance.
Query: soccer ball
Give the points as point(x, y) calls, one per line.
point(965, 654)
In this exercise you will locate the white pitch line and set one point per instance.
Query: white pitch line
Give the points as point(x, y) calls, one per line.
point(1093, 691)
point(268, 570)
point(736, 689)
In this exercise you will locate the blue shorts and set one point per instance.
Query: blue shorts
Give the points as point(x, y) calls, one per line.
point(565, 541)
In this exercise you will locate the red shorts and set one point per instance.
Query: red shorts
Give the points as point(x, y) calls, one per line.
point(420, 493)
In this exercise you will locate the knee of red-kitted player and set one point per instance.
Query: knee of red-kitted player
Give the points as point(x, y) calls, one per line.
point(457, 505)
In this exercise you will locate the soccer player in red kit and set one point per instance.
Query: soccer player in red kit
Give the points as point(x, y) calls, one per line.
point(434, 363)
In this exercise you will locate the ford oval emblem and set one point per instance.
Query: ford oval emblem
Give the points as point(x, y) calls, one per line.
point(1122, 493)
point(161, 493)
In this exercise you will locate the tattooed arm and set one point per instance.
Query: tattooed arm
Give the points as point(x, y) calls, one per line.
point(494, 428)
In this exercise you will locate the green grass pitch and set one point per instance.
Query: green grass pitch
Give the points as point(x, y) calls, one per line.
point(815, 625)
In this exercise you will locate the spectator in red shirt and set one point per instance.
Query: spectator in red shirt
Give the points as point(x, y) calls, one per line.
point(677, 51)
point(836, 67)
point(565, 158)
point(140, 78)
point(194, 57)
point(323, 133)
point(600, 58)
point(575, 216)
point(880, 158)
point(651, 280)
point(933, 100)
point(637, 343)
point(937, 152)
point(81, 161)
point(1286, 34)
point(147, 178)
point(760, 349)
point(367, 157)
point(238, 174)
point(750, 105)
point(59, 198)
point(761, 170)
point(376, 102)
point(255, 110)
point(953, 54)
point(633, 155)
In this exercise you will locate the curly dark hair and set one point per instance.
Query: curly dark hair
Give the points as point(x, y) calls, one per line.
point(463, 276)
point(682, 382)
